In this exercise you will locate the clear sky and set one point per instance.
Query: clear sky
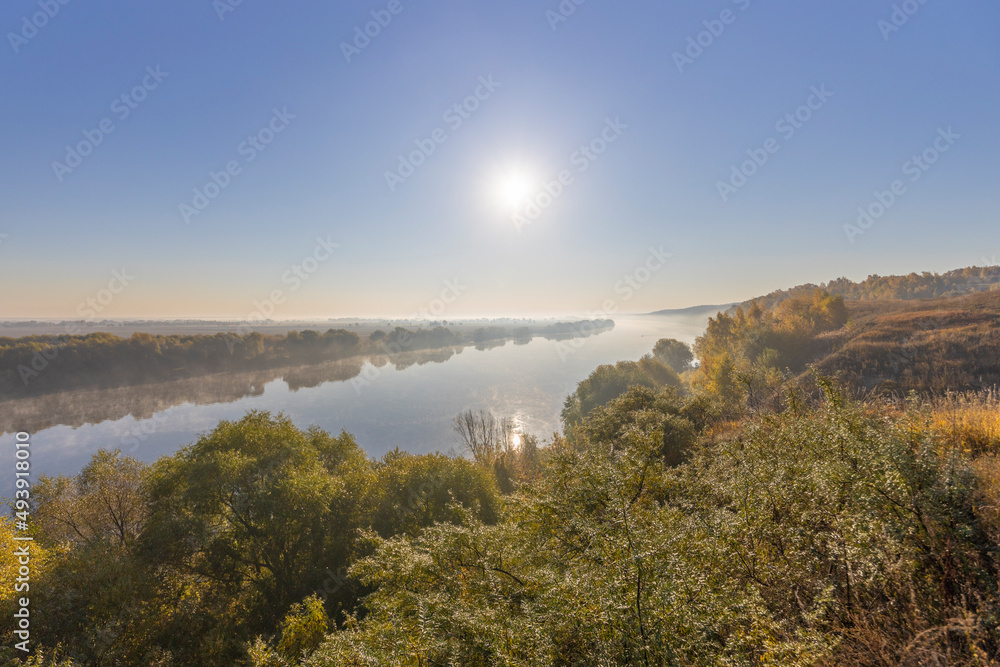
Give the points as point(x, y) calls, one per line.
point(193, 88)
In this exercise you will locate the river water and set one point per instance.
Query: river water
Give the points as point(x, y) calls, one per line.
point(409, 404)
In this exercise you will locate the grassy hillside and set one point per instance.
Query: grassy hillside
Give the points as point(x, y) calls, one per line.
point(749, 357)
point(925, 345)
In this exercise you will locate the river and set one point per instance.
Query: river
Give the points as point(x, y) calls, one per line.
point(409, 403)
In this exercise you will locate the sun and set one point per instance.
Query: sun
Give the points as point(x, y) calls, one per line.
point(515, 440)
point(514, 188)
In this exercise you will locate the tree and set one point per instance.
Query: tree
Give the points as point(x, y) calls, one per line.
point(832, 536)
point(303, 629)
point(484, 435)
point(609, 382)
point(674, 353)
point(106, 502)
point(644, 410)
point(412, 492)
point(261, 508)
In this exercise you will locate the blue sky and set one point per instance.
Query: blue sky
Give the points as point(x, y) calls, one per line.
point(555, 87)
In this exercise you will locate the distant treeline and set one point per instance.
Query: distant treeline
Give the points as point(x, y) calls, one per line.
point(924, 285)
point(33, 365)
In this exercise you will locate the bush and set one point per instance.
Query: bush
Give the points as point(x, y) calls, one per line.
point(830, 536)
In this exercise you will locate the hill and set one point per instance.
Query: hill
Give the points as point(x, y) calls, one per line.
point(932, 345)
point(748, 356)
point(694, 310)
point(924, 285)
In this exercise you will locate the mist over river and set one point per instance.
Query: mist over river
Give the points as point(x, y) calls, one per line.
point(407, 405)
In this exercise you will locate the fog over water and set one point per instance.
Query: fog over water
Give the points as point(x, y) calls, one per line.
point(408, 402)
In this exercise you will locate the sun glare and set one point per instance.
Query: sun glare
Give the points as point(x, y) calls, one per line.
point(514, 188)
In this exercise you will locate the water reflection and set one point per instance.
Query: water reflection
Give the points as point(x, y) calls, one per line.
point(93, 406)
point(81, 407)
point(407, 401)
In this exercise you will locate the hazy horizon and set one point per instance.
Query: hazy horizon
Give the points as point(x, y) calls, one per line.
point(452, 314)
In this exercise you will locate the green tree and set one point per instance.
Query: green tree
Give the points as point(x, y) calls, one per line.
point(412, 492)
point(608, 382)
point(674, 353)
point(303, 629)
point(263, 510)
point(105, 502)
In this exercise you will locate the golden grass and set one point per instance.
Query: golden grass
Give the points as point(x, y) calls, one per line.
point(969, 422)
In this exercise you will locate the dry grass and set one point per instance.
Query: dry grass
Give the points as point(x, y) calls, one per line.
point(987, 469)
point(936, 345)
point(968, 422)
